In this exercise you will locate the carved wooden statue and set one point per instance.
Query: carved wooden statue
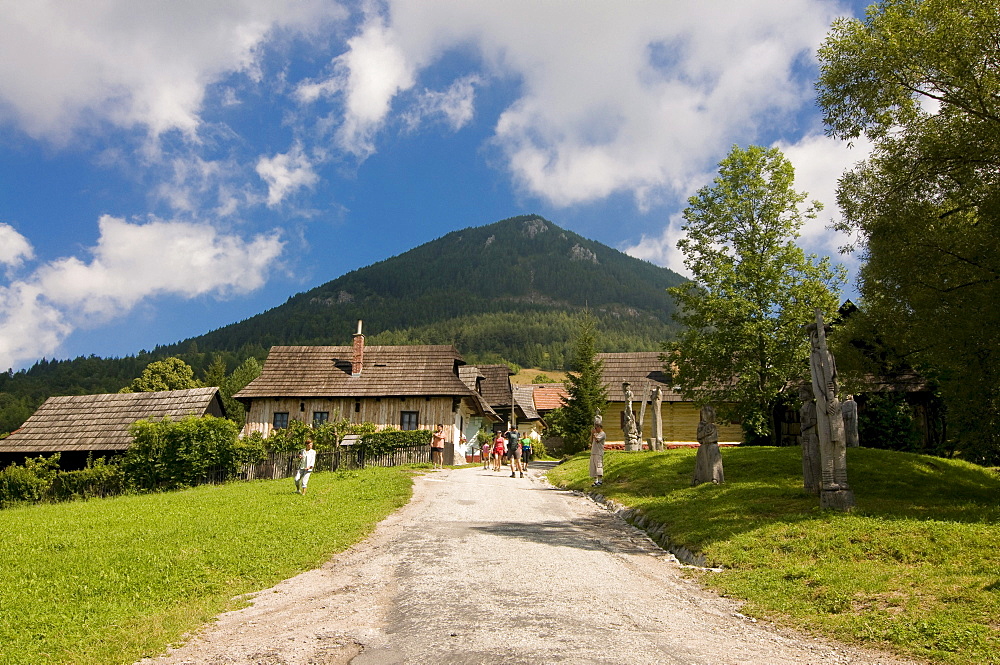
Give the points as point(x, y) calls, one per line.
point(810, 441)
point(632, 440)
point(708, 462)
point(834, 490)
point(849, 408)
point(656, 436)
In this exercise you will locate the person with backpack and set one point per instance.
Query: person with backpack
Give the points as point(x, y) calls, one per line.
point(514, 452)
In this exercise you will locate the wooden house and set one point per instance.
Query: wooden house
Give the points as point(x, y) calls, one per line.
point(514, 404)
point(528, 419)
point(408, 387)
point(644, 371)
point(499, 393)
point(549, 396)
point(80, 425)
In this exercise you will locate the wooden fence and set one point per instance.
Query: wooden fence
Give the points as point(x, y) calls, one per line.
point(283, 465)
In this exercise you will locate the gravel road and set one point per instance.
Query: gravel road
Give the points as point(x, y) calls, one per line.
point(483, 568)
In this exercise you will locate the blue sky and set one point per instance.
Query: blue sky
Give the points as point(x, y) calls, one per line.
point(167, 168)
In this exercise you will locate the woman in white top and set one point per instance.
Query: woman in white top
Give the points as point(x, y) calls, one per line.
point(307, 460)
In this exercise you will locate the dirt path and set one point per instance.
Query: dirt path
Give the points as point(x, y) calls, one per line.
point(483, 568)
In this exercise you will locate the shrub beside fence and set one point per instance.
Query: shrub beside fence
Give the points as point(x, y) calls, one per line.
point(197, 451)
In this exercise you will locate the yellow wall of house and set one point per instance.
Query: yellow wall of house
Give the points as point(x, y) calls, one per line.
point(680, 423)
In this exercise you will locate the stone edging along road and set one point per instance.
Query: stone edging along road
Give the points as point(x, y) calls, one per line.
point(653, 529)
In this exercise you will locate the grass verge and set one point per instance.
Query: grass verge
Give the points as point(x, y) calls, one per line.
point(915, 568)
point(112, 581)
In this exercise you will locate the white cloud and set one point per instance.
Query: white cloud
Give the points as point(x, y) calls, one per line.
point(285, 173)
point(614, 97)
point(368, 75)
point(662, 250)
point(819, 162)
point(456, 105)
point(64, 65)
point(130, 263)
point(29, 327)
point(14, 247)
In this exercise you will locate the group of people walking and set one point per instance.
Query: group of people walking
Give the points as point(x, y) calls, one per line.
point(510, 447)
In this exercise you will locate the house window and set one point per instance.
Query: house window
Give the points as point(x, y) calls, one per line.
point(408, 420)
point(320, 418)
point(280, 420)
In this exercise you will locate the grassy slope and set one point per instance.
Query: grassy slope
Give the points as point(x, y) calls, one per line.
point(111, 581)
point(527, 375)
point(915, 567)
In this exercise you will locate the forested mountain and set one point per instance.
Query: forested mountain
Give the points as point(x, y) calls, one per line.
point(507, 291)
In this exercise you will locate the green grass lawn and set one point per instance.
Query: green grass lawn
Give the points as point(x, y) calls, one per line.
point(111, 581)
point(915, 567)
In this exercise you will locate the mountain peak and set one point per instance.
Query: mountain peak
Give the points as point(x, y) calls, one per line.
point(524, 275)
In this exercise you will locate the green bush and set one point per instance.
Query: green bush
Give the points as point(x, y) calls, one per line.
point(886, 422)
point(22, 484)
point(100, 478)
point(289, 439)
point(375, 443)
point(172, 454)
point(250, 449)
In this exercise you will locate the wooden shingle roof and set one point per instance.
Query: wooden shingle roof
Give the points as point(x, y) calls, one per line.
point(638, 368)
point(101, 422)
point(325, 371)
point(496, 385)
point(470, 376)
point(525, 401)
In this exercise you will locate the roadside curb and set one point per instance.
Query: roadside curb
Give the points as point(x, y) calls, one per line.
point(655, 530)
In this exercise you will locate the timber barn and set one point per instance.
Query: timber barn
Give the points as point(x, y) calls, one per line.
point(78, 426)
point(643, 370)
point(408, 387)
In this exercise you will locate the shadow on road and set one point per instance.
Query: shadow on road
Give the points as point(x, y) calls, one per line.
point(599, 533)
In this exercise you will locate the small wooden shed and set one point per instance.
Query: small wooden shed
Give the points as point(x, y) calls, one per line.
point(80, 425)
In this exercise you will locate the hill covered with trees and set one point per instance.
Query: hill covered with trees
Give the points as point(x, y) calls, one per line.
point(509, 291)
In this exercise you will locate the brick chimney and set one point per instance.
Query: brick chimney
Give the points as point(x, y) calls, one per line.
point(359, 352)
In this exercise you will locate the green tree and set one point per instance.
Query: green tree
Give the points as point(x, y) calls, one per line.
point(248, 370)
point(167, 374)
point(587, 394)
point(742, 343)
point(920, 79)
point(216, 372)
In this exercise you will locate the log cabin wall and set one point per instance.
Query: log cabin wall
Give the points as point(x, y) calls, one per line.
point(383, 411)
point(680, 423)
